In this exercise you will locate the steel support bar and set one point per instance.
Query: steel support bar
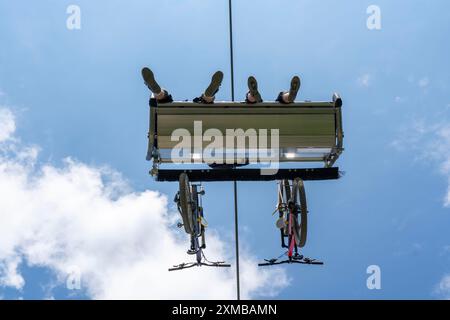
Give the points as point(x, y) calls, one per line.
point(211, 175)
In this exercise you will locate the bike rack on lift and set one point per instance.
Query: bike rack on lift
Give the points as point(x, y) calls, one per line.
point(188, 265)
point(295, 259)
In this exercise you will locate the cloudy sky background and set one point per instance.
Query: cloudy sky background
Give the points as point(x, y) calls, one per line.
point(74, 191)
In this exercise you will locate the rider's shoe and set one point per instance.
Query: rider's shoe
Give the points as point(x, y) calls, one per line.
point(214, 85)
point(149, 79)
point(154, 87)
point(212, 89)
point(295, 86)
point(253, 90)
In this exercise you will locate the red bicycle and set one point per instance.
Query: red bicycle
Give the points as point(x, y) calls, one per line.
point(292, 222)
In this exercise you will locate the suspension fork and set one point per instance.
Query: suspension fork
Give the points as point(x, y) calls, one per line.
point(282, 232)
point(283, 243)
point(202, 229)
point(200, 208)
point(291, 235)
point(281, 212)
point(198, 215)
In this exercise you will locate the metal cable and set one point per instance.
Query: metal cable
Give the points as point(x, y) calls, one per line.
point(236, 226)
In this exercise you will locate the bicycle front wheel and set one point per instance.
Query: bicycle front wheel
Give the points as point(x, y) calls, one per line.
point(186, 203)
point(299, 197)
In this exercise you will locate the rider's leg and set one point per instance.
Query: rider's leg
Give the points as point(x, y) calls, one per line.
point(160, 94)
point(289, 96)
point(210, 93)
point(252, 96)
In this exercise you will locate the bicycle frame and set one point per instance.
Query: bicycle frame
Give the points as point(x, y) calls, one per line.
point(287, 208)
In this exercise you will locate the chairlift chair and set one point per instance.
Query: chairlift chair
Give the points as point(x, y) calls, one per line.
point(308, 132)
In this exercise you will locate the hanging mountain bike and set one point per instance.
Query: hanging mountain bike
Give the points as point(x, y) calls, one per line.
point(292, 212)
point(189, 203)
point(292, 222)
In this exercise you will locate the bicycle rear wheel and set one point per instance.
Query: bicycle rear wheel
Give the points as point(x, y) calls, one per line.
point(299, 198)
point(186, 203)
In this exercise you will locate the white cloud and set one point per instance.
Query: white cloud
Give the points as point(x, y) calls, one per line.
point(121, 241)
point(443, 288)
point(429, 142)
point(7, 124)
point(365, 80)
point(9, 275)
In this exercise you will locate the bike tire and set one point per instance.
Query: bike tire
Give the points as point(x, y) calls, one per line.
point(287, 189)
point(186, 203)
point(287, 193)
point(299, 197)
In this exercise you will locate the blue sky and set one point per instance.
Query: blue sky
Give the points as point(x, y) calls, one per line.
point(79, 93)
